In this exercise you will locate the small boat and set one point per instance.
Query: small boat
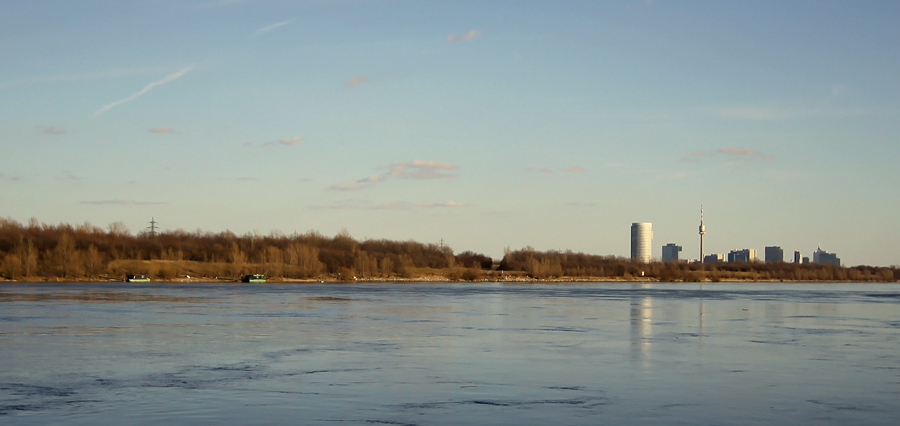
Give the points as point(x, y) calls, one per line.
point(254, 278)
point(137, 278)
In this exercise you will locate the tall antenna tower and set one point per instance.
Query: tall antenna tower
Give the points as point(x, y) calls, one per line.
point(702, 233)
point(152, 227)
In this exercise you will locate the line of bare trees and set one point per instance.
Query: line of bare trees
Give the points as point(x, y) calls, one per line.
point(556, 264)
point(41, 251)
point(86, 251)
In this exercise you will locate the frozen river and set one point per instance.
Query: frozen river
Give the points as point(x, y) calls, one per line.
point(449, 354)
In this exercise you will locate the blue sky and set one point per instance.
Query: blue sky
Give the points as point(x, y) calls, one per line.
point(485, 124)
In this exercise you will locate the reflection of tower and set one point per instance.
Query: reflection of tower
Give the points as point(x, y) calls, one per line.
point(642, 241)
point(702, 233)
point(641, 324)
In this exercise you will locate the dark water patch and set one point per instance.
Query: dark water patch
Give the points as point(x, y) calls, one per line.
point(5, 410)
point(242, 368)
point(568, 388)
point(338, 370)
point(337, 299)
point(564, 329)
point(389, 422)
point(35, 390)
point(579, 402)
point(773, 342)
point(883, 295)
point(679, 404)
point(519, 403)
point(99, 296)
point(287, 353)
point(838, 406)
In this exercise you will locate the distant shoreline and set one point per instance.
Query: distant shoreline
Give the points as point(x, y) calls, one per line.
point(430, 279)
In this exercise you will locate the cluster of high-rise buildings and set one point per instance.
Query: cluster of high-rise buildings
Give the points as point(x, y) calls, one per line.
point(642, 242)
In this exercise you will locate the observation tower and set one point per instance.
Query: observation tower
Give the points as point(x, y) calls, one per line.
point(702, 233)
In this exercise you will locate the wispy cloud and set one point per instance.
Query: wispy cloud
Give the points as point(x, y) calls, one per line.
point(52, 130)
point(416, 169)
point(354, 82)
point(463, 37)
point(568, 169)
point(727, 151)
point(161, 130)
point(273, 26)
point(444, 204)
point(285, 141)
point(67, 175)
point(542, 170)
point(10, 178)
point(355, 204)
point(128, 202)
point(348, 186)
point(174, 76)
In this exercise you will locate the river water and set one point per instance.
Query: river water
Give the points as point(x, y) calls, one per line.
point(449, 354)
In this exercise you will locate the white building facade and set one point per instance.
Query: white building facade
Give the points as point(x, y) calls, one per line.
point(642, 241)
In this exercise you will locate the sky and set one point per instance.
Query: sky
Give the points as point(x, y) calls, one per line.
point(483, 125)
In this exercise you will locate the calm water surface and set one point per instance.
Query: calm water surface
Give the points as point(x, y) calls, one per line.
point(449, 354)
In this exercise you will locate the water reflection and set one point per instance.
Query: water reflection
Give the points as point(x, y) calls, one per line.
point(641, 315)
point(450, 354)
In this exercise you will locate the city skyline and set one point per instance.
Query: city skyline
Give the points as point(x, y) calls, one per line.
point(483, 124)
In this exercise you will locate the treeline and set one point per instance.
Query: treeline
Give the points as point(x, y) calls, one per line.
point(39, 250)
point(87, 252)
point(561, 265)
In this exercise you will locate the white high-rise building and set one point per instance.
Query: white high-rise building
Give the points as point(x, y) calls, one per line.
point(642, 241)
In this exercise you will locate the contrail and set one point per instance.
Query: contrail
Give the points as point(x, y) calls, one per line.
point(166, 79)
point(273, 26)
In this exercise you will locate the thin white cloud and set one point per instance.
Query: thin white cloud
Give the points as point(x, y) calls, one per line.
point(52, 130)
point(10, 178)
point(354, 82)
point(174, 76)
point(542, 170)
point(350, 186)
point(400, 205)
point(67, 175)
point(273, 26)
point(463, 37)
point(568, 169)
point(444, 204)
point(161, 130)
point(127, 202)
point(355, 204)
point(416, 169)
point(727, 151)
point(744, 112)
point(285, 141)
